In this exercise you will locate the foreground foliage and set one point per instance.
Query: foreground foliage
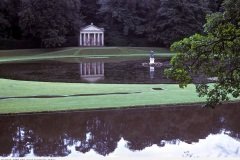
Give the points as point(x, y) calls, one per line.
point(215, 54)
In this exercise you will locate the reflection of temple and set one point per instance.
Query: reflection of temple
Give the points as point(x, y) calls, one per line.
point(92, 72)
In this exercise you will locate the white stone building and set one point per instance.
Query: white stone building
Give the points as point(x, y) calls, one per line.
point(91, 36)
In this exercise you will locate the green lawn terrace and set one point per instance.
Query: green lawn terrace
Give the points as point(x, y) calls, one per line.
point(25, 96)
point(32, 97)
point(105, 53)
point(20, 96)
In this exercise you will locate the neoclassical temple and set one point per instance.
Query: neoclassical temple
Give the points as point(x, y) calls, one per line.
point(91, 36)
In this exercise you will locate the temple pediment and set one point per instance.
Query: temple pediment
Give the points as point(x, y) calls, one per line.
point(92, 28)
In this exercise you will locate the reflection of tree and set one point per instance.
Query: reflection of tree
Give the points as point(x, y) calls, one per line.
point(51, 71)
point(21, 145)
point(14, 138)
point(134, 72)
point(167, 125)
point(50, 147)
point(84, 147)
point(230, 122)
point(51, 135)
point(102, 137)
point(7, 130)
point(51, 139)
point(116, 73)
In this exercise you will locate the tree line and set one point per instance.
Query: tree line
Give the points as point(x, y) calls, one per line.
point(56, 23)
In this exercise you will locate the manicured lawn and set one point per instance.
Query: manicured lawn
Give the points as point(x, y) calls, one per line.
point(115, 53)
point(145, 95)
point(27, 96)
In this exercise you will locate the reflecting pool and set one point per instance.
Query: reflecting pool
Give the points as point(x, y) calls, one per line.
point(183, 131)
point(125, 72)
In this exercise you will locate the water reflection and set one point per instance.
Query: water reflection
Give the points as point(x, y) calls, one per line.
point(87, 72)
point(152, 69)
point(92, 72)
point(184, 129)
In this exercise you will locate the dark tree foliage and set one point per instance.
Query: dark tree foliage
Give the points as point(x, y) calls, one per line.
point(178, 19)
point(4, 23)
point(215, 5)
point(126, 14)
point(126, 22)
point(215, 54)
point(125, 18)
point(50, 20)
point(9, 27)
point(89, 10)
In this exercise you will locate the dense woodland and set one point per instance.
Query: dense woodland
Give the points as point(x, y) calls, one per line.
point(56, 23)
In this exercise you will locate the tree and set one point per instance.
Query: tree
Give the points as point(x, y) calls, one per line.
point(215, 54)
point(124, 18)
point(9, 21)
point(89, 9)
point(4, 22)
point(50, 20)
point(214, 5)
point(124, 13)
point(177, 19)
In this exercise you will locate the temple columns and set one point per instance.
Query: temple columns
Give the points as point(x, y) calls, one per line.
point(91, 39)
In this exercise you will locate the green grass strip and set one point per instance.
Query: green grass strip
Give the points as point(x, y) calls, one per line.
point(171, 94)
point(77, 52)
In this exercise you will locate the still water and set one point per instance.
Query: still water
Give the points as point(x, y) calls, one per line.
point(125, 72)
point(183, 131)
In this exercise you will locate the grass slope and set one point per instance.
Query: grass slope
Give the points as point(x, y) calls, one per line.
point(91, 52)
point(147, 96)
point(12, 92)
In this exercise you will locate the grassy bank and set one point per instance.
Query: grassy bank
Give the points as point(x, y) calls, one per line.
point(26, 96)
point(115, 53)
point(18, 96)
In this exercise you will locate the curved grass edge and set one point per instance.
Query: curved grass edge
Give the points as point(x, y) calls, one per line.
point(172, 94)
point(148, 97)
point(8, 56)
